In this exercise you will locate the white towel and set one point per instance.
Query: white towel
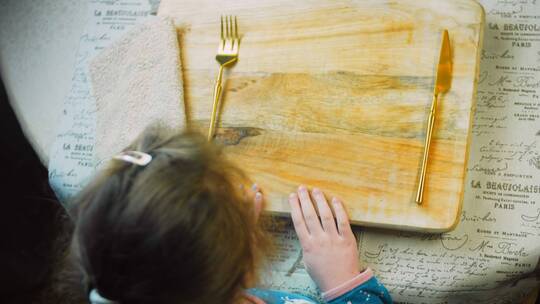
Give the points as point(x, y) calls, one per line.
point(137, 81)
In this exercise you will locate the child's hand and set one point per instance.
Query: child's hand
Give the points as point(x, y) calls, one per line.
point(330, 251)
point(254, 195)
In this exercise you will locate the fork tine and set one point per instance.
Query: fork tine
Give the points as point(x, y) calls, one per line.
point(233, 32)
point(235, 28)
point(231, 24)
point(222, 28)
point(222, 43)
point(227, 33)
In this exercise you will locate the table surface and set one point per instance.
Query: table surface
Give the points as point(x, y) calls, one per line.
point(340, 102)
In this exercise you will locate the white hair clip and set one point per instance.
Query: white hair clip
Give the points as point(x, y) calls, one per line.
point(134, 157)
point(96, 298)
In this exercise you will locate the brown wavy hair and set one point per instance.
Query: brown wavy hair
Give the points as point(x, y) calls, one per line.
point(177, 230)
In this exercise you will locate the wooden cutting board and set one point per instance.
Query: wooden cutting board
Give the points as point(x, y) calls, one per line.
point(336, 94)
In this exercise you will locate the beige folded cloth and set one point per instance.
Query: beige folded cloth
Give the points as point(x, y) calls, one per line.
point(137, 81)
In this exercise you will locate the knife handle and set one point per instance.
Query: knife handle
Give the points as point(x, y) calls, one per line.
point(429, 132)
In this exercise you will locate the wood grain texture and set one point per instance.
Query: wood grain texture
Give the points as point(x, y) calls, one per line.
point(336, 94)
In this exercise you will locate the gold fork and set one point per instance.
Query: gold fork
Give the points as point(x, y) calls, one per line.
point(227, 55)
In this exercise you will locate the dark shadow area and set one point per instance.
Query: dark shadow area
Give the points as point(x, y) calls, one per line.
point(31, 219)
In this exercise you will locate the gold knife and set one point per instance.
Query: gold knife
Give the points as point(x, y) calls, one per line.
point(442, 85)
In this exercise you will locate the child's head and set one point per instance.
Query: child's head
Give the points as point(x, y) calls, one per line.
point(176, 230)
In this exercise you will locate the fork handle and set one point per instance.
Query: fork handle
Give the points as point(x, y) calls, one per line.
point(217, 94)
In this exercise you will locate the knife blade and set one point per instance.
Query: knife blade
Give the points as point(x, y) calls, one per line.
point(444, 68)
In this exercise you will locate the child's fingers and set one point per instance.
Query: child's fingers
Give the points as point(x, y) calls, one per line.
point(249, 192)
point(258, 204)
point(327, 218)
point(310, 216)
point(342, 218)
point(298, 217)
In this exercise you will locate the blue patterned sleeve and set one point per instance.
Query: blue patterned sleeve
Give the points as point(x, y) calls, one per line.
point(362, 289)
point(371, 292)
